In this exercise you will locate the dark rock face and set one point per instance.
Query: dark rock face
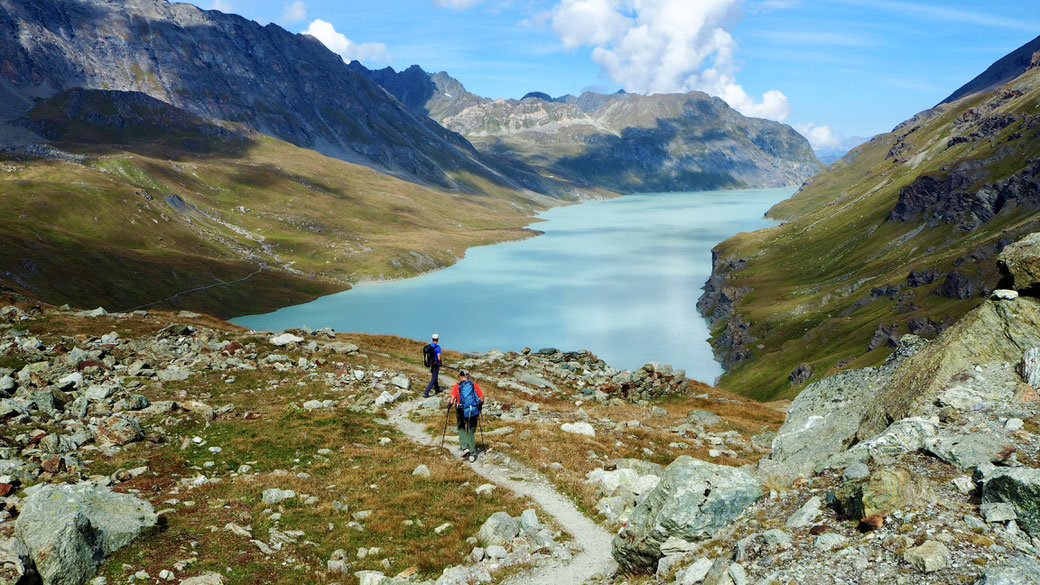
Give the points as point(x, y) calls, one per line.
point(800, 374)
point(959, 285)
point(718, 303)
point(221, 66)
point(918, 278)
point(957, 199)
point(887, 335)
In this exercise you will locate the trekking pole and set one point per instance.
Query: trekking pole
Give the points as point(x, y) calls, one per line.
point(480, 426)
point(444, 433)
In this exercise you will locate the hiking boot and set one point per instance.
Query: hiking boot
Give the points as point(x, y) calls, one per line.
point(472, 457)
point(466, 454)
point(425, 395)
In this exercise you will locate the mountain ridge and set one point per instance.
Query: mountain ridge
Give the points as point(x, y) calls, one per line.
point(624, 142)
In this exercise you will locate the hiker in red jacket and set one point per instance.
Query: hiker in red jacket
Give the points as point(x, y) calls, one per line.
point(467, 399)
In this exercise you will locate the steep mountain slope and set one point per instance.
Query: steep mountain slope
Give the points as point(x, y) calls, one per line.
point(135, 202)
point(1004, 70)
point(622, 142)
point(225, 67)
point(897, 237)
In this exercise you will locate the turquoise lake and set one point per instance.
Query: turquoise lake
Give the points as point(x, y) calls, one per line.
point(620, 278)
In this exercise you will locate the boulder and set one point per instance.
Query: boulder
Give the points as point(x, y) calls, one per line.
point(118, 430)
point(970, 450)
point(275, 495)
point(70, 529)
point(931, 556)
point(341, 347)
point(1020, 570)
point(579, 428)
point(996, 331)
point(885, 491)
point(1018, 486)
point(693, 501)
point(401, 382)
point(284, 339)
point(499, 529)
point(805, 515)
point(703, 418)
point(1020, 263)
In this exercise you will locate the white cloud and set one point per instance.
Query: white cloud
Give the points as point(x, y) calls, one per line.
point(294, 12)
point(456, 4)
point(222, 5)
point(820, 137)
point(348, 49)
point(664, 46)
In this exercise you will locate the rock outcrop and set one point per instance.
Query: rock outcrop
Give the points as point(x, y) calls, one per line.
point(997, 331)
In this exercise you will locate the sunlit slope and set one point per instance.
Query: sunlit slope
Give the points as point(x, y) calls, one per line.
point(832, 287)
point(150, 201)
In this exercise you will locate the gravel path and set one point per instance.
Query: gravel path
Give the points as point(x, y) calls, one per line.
point(594, 559)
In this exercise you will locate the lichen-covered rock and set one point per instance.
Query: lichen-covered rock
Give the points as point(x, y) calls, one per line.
point(70, 529)
point(931, 556)
point(970, 450)
point(694, 500)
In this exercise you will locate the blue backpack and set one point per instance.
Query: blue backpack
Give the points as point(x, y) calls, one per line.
point(469, 402)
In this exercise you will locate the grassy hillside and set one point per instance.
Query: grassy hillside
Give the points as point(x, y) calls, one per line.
point(141, 205)
point(832, 287)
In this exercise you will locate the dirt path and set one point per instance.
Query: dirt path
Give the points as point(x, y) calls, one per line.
point(593, 560)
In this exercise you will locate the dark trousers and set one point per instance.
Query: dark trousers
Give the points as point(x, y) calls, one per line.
point(467, 430)
point(433, 381)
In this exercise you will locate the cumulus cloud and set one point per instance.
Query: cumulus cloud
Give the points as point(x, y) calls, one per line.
point(294, 12)
point(820, 137)
point(222, 5)
point(664, 46)
point(456, 4)
point(348, 49)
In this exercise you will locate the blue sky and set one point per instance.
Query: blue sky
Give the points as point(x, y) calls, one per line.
point(834, 69)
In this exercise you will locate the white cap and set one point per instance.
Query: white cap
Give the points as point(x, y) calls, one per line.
point(436, 337)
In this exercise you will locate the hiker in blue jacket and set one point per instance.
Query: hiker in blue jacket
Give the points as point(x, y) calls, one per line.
point(468, 400)
point(432, 359)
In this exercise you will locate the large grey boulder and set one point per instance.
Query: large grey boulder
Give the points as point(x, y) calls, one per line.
point(1021, 263)
point(823, 419)
point(694, 500)
point(1018, 486)
point(1020, 570)
point(69, 529)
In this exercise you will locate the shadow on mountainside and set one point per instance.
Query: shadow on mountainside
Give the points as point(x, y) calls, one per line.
point(639, 160)
point(104, 122)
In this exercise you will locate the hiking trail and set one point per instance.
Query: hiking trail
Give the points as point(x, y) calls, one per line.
point(593, 560)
